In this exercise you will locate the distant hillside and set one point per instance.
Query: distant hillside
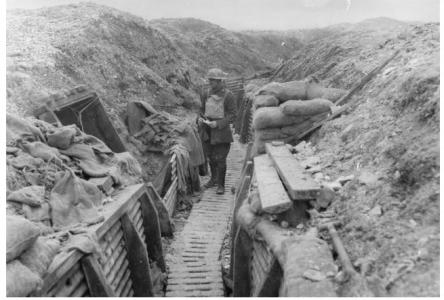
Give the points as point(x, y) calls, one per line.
point(115, 53)
point(124, 57)
point(272, 45)
point(214, 46)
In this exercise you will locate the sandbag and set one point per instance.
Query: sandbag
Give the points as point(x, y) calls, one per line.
point(301, 127)
point(269, 134)
point(316, 91)
point(43, 151)
point(91, 161)
point(37, 214)
point(31, 195)
point(20, 280)
point(62, 137)
point(285, 91)
point(272, 117)
point(40, 255)
point(265, 101)
point(25, 160)
point(74, 200)
point(259, 145)
point(307, 107)
point(251, 87)
point(20, 128)
point(20, 235)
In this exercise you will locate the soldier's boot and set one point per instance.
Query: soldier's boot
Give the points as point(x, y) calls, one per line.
point(221, 180)
point(213, 180)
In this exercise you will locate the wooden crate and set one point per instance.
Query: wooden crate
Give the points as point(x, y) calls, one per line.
point(130, 249)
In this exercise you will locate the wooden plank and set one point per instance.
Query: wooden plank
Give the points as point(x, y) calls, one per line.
point(64, 263)
point(115, 264)
point(274, 198)
point(134, 210)
point(80, 290)
point(153, 239)
point(166, 227)
point(97, 284)
point(120, 274)
point(300, 185)
point(241, 274)
point(138, 259)
point(121, 284)
point(127, 289)
point(105, 184)
point(110, 248)
point(123, 200)
point(65, 287)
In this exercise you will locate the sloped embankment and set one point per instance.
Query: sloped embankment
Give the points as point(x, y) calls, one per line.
point(389, 141)
point(116, 54)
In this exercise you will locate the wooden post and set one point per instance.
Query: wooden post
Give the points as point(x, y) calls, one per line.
point(97, 284)
point(243, 246)
point(166, 226)
point(240, 197)
point(151, 228)
point(137, 256)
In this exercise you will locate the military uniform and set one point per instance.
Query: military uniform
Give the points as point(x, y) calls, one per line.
point(217, 141)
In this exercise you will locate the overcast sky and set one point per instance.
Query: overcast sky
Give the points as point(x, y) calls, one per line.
point(265, 14)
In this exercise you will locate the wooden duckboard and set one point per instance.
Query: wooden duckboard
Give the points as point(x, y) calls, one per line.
point(300, 186)
point(274, 198)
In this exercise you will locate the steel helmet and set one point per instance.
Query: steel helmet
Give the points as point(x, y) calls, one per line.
point(216, 74)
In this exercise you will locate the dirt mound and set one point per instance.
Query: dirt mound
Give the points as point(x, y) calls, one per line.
point(390, 141)
point(213, 46)
point(116, 54)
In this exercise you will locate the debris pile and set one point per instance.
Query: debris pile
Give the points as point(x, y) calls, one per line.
point(54, 189)
point(282, 110)
point(156, 131)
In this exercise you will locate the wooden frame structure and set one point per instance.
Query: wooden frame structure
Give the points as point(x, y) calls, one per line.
point(129, 262)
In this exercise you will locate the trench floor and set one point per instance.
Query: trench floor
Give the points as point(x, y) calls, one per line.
point(195, 263)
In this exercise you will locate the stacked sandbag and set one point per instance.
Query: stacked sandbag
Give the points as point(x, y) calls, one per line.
point(300, 90)
point(20, 280)
point(21, 234)
point(284, 110)
point(28, 256)
point(48, 169)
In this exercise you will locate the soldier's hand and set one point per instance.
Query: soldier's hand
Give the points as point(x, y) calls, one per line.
point(212, 124)
point(200, 120)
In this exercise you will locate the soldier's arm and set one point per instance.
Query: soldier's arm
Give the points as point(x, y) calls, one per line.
point(230, 112)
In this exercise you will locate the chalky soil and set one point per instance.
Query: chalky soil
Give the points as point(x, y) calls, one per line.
point(195, 263)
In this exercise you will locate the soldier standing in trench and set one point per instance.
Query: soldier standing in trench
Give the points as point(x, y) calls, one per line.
point(218, 111)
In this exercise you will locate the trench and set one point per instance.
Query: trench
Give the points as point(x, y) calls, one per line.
point(195, 262)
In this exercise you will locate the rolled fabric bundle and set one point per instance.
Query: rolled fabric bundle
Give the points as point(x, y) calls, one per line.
point(265, 101)
point(286, 90)
point(273, 117)
point(307, 107)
